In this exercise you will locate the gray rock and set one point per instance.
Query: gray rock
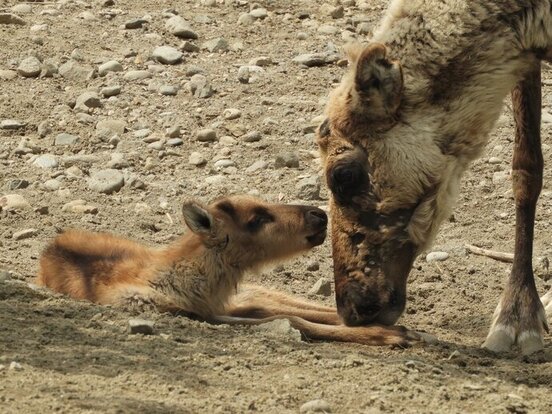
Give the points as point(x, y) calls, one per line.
point(135, 23)
point(256, 166)
point(246, 19)
point(220, 164)
point(261, 61)
point(190, 47)
point(227, 140)
point(88, 100)
point(206, 135)
point(71, 70)
point(6, 74)
point(322, 287)
point(252, 136)
point(12, 124)
point(258, 13)
point(15, 366)
point(117, 161)
point(315, 406)
point(29, 67)
point(114, 126)
point(135, 75)
point(46, 161)
point(109, 91)
point(311, 59)
point(216, 45)
point(10, 18)
point(44, 129)
point(287, 159)
point(79, 207)
point(313, 266)
point(110, 66)
point(174, 142)
point(106, 181)
point(215, 179)
point(18, 184)
point(82, 159)
point(168, 90)
point(49, 69)
point(231, 113)
point(24, 234)
point(11, 202)
point(281, 328)
point(364, 28)
point(437, 256)
point(52, 185)
point(167, 55)
point(200, 87)
point(309, 188)
point(197, 159)
point(249, 74)
point(173, 132)
point(179, 27)
point(66, 139)
point(140, 326)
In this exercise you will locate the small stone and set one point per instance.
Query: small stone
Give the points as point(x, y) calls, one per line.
point(253, 136)
point(246, 19)
point(106, 181)
point(44, 129)
point(311, 59)
point(206, 135)
point(79, 207)
point(117, 161)
point(12, 124)
point(11, 202)
point(135, 23)
point(6, 74)
point(114, 126)
point(110, 66)
point(249, 74)
point(313, 266)
point(189, 47)
point(15, 366)
point(220, 164)
point(199, 86)
point(140, 326)
point(168, 90)
point(364, 28)
point(256, 166)
point(46, 161)
point(135, 75)
point(167, 55)
point(30, 67)
point(173, 132)
point(10, 18)
point(227, 140)
point(437, 257)
point(287, 159)
point(261, 61)
point(66, 139)
point(495, 160)
point(309, 188)
point(18, 184)
point(322, 287)
point(280, 327)
point(546, 117)
point(175, 142)
point(315, 406)
point(179, 27)
point(109, 91)
point(88, 100)
point(196, 158)
point(215, 179)
point(500, 177)
point(231, 113)
point(258, 13)
point(25, 234)
point(71, 70)
point(52, 185)
point(216, 45)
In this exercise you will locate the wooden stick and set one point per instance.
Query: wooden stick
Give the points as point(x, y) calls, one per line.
point(500, 256)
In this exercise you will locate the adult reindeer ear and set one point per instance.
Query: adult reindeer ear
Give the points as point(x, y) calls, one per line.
point(378, 82)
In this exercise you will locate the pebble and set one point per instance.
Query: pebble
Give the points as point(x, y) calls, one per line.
point(106, 181)
point(437, 256)
point(140, 326)
point(173, 132)
point(109, 91)
point(167, 55)
point(44, 129)
point(179, 27)
point(246, 19)
point(322, 287)
point(24, 234)
point(134, 75)
point(309, 188)
point(256, 166)
point(88, 100)
point(14, 202)
point(12, 124)
point(313, 266)
point(249, 74)
point(46, 161)
point(189, 47)
point(215, 179)
point(495, 160)
point(199, 86)
point(197, 159)
point(231, 113)
point(110, 66)
point(287, 159)
point(18, 184)
point(227, 140)
point(261, 61)
point(364, 28)
point(311, 59)
point(114, 126)
point(66, 139)
point(206, 135)
point(224, 163)
point(253, 136)
point(15, 366)
point(168, 90)
point(258, 13)
point(79, 207)
point(546, 117)
point(281, 328)
point(216, 45)
point(10, 18)
point(30, 67)
point(52, 185)
point(500, 177)
point(6, 74)
point(175, 142)
point(315, 406)
point(135, 23)
point(117, 161)
point(71, 70)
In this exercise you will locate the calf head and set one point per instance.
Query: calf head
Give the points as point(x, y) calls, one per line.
point(391, 184)
point(249, 232)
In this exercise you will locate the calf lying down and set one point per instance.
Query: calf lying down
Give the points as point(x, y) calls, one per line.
point(199, 274)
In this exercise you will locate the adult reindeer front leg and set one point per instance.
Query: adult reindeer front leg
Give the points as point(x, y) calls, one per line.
point(519, 317)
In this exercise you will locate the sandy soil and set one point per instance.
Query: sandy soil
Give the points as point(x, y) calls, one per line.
point(60, 355)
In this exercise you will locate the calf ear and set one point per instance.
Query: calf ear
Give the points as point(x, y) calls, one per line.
point(197, 218)
point(378, 82)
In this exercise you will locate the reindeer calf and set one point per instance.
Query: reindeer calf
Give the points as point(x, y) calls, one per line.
point(199, 274)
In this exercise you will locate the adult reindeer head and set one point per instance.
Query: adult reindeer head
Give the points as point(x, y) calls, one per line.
point(392, 182)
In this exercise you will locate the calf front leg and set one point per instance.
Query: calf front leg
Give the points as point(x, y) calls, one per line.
point(519, 317)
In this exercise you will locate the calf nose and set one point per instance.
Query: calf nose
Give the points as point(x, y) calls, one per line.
point(317, 217)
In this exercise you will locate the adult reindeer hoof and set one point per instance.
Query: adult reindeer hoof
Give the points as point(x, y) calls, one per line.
point(518, 319)
point(547, 303)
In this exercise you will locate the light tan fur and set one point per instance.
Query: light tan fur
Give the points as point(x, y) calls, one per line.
point(200, 273)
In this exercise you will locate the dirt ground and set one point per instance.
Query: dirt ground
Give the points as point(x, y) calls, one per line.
point(60, 355)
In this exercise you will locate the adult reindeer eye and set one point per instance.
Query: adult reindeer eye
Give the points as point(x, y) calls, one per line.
point(258, 221)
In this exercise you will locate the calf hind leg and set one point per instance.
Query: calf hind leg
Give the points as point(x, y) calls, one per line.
point(519, 317)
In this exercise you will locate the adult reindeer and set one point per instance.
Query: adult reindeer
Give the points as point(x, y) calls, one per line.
point(415, 108)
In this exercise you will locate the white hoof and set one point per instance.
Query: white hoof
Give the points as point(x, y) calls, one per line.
point(500, 339)
point(530, 342)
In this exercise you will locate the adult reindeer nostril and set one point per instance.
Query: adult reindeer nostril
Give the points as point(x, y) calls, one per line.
point(317, 217)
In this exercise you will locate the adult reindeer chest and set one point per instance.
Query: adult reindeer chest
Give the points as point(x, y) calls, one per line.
point(415, 108)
